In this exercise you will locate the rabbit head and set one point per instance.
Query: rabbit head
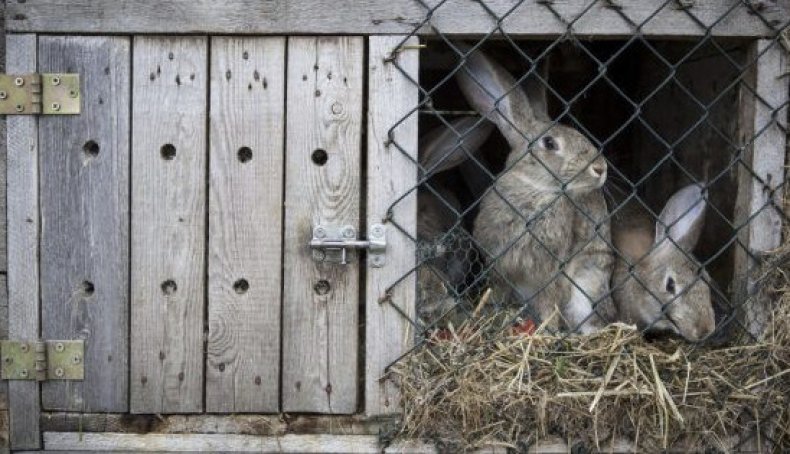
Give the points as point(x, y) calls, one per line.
point(667, 289)
point(547, 156)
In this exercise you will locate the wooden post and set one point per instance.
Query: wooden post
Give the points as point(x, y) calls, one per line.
point(245, 224)
point(85, 234)
point(761, 175)
point(169, 166)
point(323, 150)
point(23, 247)
point(392, 173)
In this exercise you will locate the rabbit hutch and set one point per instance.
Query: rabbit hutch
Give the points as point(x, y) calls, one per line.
point(396, 226)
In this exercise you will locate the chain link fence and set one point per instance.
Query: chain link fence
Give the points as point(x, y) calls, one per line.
point(568, 184)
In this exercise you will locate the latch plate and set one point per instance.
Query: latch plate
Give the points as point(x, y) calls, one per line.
point(331, 243)
point(42, 360)
point(48, 94)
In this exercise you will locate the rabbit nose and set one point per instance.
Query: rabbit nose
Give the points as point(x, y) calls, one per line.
point(598, 169)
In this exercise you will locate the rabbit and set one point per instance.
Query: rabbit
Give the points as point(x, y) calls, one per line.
point(544, 207)
point(439, 217)
point(667, 288)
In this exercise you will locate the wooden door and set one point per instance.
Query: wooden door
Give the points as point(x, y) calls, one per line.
point(170, 222)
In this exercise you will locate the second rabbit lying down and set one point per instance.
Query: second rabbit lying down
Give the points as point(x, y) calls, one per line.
point(543, 224)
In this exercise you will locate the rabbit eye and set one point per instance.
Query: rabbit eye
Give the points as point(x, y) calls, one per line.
point(671, 285)
point(550, 144)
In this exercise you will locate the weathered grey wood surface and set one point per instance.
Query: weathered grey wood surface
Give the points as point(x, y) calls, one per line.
point(320, 305)
point(392, 151)
point(23, 230)
point(245, 224)
point(386, 17)
point(168, 223)
point(761, 178)
point(84, 188)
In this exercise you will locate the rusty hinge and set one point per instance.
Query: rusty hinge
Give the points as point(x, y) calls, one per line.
point(46, 94)
point(42, 360)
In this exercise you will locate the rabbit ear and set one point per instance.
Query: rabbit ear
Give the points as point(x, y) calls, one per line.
point(683, 217)
point(494, 93)
point(535, 87)
point(446, 147)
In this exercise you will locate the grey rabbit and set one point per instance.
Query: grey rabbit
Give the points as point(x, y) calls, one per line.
point(667, 288)
point(545, 208)
point(438, 218)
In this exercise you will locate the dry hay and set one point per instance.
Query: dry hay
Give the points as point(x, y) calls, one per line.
point(476, 388)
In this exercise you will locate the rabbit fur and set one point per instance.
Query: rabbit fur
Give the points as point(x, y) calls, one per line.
point(667, 289)
point(544, 207)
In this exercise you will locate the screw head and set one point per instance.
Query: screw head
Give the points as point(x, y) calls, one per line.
point(319, 232)
point(349, 232)
point(19, 81)
point(76, 359)
point(56, 81)
point(378, 260)
point(23, 373)
point(20, 108)
point(55, 106)
point(8, 360)
point(3, 95)
point(24, 348)
point(377, 231)
point(73, 93)
point(59, 372)
point(59, 347)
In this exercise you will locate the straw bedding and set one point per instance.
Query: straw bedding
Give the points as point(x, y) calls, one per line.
point(483, 386)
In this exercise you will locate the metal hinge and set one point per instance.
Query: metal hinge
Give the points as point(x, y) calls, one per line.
point(46, 94)
point(42, 360)
point(330, 244)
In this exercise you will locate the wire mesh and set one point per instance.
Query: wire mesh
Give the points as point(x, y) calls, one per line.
point(570, 183)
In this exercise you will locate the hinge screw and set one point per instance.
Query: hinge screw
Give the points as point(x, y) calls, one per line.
point(20, 108)
point(59, 347)
point(23, 373)
point(76, 360)
point(349, 232)
point(320, 232)
point(24, 348)
point(376, 231)
point(3, 95)
point(73, 93)
point(55, 106)
point(56, 81)
point(8, 360)
point(59, 372)
point(19, 81)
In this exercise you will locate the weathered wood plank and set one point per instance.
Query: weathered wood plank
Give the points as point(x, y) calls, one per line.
point(23, 228)
point(291, 443)
point(84, 175)
point(389, 16)
point(391, 174)
point(320, 309)
point(245, 424)
point(169, 223)
point(245, 224)
point(761, 176)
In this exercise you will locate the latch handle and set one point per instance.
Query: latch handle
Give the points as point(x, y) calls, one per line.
point(331, 244)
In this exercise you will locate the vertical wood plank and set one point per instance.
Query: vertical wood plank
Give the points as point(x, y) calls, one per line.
point(761, 176)
point(391, 174)
point(245, 224)
point(168, 225)
point(320, 306)
point(84, 163)
point(23, 223)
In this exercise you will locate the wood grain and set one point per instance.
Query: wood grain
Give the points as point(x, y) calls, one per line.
point(320, 318)
point(290, 443)
point(726, 17)
point(169, 223)
point(245, 224)
point(23, 248)
point(761, 176)
point(84, 174)
point(391, 174)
